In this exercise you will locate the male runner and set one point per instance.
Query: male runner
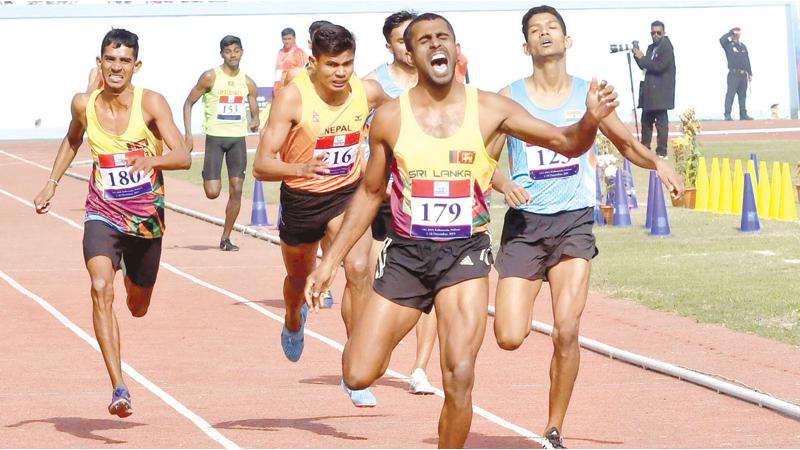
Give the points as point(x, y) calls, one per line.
point(125, 205)
point(224, 90)
point(438, 252)
point(548, 230)
point(396, 77)
point(316, 124)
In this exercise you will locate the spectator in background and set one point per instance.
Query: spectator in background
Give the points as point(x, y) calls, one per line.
point(657, 91)
point(739, 72)
point(290, 57)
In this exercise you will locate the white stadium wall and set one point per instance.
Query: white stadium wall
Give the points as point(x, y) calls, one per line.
point(47, 52)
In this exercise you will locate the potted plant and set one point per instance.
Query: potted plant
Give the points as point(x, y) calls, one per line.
point(686, 153)
point(608, 161)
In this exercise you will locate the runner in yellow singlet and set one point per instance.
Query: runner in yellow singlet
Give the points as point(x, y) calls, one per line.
point(126, 128)
point(224, 90)
point(438, 251)
point(316, 125)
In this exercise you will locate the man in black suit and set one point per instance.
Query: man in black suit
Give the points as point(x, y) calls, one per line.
point(657, 91)
point(739, 72)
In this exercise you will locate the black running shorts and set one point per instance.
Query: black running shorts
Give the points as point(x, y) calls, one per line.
point(533, 243)
point(142, 256)
point(411, 272)
point(234, 149)
point(383, 221)
point(305, 215)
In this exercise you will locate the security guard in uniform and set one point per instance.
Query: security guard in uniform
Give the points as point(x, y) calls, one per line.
point(739, 72)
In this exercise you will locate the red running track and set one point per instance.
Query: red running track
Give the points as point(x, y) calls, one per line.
point(222, 359)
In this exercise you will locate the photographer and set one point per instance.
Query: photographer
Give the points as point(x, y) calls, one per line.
point(657, 91)
point(739, 72)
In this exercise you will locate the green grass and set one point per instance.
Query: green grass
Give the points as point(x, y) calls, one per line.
point(706, 270)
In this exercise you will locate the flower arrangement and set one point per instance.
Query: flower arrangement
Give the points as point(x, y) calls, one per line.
point(685, 148)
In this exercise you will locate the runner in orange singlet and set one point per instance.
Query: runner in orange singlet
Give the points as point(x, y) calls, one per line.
point(316, 125)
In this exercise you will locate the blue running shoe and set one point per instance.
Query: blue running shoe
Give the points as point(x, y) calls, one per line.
point(327, 300)
point(292, 341)
point(120, 403)
point(362, 398)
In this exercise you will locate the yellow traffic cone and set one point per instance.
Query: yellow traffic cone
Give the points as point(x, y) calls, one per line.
point(788, 210)
point(726, 187)
point(738, 187)
point(763, 190)
point(701, 186)
point(751, 169)
point(775, 191)
point(713, 186)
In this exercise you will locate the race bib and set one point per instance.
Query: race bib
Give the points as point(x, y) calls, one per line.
point(545, 164)
point(230, 108)
point(441, 209)
point(118, 184)
point(339, 152)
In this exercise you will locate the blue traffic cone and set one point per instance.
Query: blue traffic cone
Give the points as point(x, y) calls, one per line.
point(651, 190)
point(258, 216)
point(629, 187)
point(598, 195)
point(660, 221)
point(622, 215)
point(750, 221)
point(754, 157)
point(278, 220)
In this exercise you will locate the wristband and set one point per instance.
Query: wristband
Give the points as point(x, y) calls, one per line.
point(53, 180)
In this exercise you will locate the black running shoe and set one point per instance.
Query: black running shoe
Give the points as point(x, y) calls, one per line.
point(226, 246)
point(554, 438)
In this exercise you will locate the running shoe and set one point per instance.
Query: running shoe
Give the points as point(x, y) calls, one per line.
point(226, 246)
point(327, 299)
point(292, 341)
point(120, 403)
point(362, 398)
point(554, 438)
point(418, 383)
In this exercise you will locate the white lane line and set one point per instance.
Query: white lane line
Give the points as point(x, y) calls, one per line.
point(130, 371)
point(332, 343)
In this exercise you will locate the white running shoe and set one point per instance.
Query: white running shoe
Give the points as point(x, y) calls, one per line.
point(419, 384)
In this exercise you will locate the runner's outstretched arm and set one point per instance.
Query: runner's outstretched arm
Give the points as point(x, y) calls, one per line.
point(635, 152)
point(571, 141)
point(285, 113)
point(66, 152)
point(363, 206)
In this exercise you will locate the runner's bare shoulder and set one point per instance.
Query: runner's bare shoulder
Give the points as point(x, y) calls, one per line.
point(386, 122)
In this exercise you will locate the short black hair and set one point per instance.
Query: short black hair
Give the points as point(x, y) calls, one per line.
point(544, 9)
point(316, 25)
point(118, 37)
point(286, 31)
point(658, 23)
point(426, 17)
point(332, 40)
point(395, 20)
point(229, 40)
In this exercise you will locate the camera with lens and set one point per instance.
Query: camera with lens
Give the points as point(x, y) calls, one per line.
point(623, 47)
